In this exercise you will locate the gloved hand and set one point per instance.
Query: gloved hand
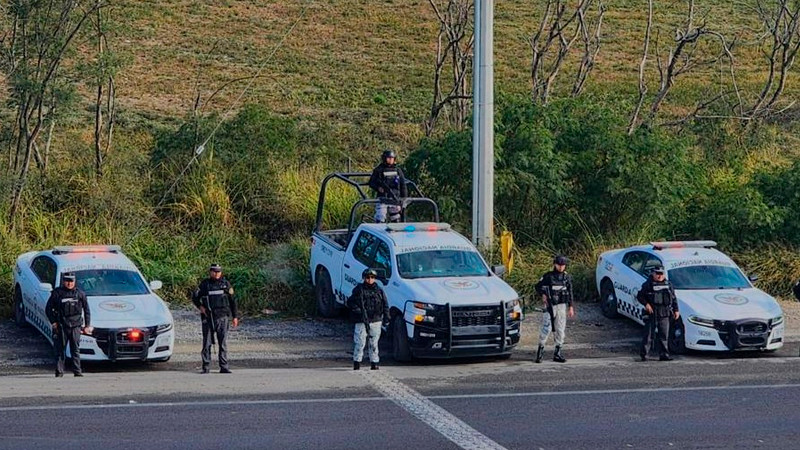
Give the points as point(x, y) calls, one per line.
point(235, 322)
point(385, 323)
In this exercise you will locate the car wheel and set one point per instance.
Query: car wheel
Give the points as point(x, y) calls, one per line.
point(608, 300)
point(19, 307)
point(324, 292)
point(677, 338)
point(400, 347)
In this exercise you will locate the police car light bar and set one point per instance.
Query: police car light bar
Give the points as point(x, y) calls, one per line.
point(682, 244)
point(419, 226)
point(64, 249)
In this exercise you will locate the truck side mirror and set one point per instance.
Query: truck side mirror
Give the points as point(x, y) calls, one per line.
point(46, 287)
point(382, 276)
point(500, 271)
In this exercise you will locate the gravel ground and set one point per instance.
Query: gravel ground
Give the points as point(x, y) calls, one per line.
point(331, 339)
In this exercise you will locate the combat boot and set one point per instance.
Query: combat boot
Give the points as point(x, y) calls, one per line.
point(374, 366)
point(539, 354)
point(356, 365)
point(557, 356)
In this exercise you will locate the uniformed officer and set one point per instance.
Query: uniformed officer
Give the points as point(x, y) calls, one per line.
point(214, 298)
point(555, 288)
point(658, 297)
point(389, 184)
point(368, 310)
point(68, 313)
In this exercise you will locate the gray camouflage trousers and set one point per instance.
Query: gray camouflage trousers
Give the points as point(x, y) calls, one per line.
point(560, 315)
point(360, 340)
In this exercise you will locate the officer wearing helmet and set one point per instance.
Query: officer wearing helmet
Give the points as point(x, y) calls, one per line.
point(368, 310)
point(555, 287)
point(658, 297)
point(68, 312)
point(214, 298)
point(389, 184)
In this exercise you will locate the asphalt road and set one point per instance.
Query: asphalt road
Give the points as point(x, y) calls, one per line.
point(744, 401)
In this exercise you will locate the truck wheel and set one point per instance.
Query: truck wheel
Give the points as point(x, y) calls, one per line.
point(677, 338)
point(608, 300)
point(324, 292)
point(19, 308)
point(401, 351)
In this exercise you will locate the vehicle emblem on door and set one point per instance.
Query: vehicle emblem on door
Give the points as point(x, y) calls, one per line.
point(117, 306)
point(731, 299)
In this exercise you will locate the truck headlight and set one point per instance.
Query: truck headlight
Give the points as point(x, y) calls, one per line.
point(703, 322)
point(514, 309)
point(419, 318)
point(777, 321)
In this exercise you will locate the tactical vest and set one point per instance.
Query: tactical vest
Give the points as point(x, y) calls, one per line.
point(71, 311)
point(661, 295)
point(391, 178)
point(218, 298)
point(559, 291)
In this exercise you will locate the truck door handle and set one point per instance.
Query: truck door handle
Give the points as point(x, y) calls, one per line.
point(347, 266)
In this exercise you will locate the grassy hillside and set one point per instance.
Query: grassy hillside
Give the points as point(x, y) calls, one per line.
point(353, 77)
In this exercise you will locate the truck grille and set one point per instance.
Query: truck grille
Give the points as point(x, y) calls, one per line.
point(470, 316)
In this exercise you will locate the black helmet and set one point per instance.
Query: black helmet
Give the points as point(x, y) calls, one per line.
point(369, 272)
point(388, 153)
point(560, 260)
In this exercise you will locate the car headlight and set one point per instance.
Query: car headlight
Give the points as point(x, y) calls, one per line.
point(703, 322)
point(164, 327)
point(777, 321)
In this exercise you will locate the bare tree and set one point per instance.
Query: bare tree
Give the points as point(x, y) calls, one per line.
point(681, 58)
point(39, 37)
point(781, 20)
point(454, 45)
point(559, 28)
point(591, 47)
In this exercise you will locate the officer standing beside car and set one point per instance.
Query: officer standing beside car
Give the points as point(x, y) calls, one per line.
point(68, 312)
point(214, 298)
point(369, 309)
point(658, 297)
point(389, 184)
point(555, 287)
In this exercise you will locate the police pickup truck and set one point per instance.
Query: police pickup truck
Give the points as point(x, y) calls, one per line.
point(444, 299)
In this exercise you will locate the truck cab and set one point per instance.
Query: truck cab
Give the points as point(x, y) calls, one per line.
point(445, 301)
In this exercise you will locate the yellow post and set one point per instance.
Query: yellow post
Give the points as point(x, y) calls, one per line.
point(506, 248)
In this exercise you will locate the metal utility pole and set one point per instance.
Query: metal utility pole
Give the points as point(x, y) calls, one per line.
point(483, 126)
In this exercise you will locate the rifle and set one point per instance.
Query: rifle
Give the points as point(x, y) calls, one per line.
point(210, 317)
point(549, 294)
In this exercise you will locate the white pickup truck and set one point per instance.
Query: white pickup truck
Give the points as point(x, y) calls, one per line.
point(444, 299)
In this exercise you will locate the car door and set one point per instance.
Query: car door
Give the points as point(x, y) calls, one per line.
point(629, 282)
point(383, 262)
point(44, 270)
point(358, 258)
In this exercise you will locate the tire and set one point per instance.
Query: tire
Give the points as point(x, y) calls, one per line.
point(19, 308)
point(326, 304)
point(400, 348)
point(608, 299)
point(677, 338)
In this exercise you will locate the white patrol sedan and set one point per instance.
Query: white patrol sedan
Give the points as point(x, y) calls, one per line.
point(720, 308)
point(130, 321)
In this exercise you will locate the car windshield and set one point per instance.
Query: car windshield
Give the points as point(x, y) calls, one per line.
point(110, 282)
point(441, 263)
point(708, 277)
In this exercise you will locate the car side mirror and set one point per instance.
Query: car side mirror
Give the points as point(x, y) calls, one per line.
point(752, 277)
point(500, 271)
point(46, 287)
point(156, 285)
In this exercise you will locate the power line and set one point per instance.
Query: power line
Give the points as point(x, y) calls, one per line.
point(202, 147)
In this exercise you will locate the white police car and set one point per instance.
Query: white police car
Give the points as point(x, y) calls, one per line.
point(720, 308)
point(130, 321)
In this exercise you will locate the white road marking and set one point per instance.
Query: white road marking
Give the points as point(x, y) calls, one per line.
point(381, 399)
point(429, 413)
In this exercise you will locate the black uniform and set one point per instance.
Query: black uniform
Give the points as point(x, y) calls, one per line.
point(70, 310)
point(388, 181)
point(217, 297)
point(368, 304)
point(661, 296)
point(557, 286)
